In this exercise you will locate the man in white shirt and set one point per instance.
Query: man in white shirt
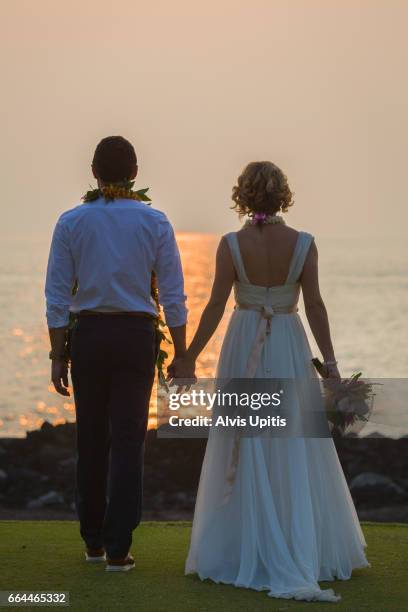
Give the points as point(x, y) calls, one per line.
point(109, 249)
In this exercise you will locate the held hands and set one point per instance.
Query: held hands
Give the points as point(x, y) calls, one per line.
point(181, 371)
point(59, 376)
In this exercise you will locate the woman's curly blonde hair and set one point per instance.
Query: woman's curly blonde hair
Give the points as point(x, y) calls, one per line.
point(262, 188)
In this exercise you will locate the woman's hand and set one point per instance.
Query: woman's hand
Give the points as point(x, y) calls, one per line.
point(332, 371)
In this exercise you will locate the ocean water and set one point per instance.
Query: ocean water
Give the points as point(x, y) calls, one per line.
point(364, 284)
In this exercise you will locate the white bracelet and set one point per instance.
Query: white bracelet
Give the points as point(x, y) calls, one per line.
point(332, 362)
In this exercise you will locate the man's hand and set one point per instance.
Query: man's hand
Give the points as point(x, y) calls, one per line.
point(59, 376)
point(181, 372)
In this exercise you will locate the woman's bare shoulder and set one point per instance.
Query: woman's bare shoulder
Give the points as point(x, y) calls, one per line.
point(290, 231)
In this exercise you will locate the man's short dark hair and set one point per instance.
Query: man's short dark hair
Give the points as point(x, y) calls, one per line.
point(114, 159)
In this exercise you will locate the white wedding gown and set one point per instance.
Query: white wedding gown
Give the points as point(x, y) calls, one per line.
point(289, 520)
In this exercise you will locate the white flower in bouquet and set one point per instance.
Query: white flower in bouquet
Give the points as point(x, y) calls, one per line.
point(347, 401)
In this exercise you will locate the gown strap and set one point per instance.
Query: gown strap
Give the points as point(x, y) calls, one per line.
point(233, 244)
point(304, 240)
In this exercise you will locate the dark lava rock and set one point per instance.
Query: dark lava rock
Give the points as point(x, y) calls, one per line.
point(44, 462)
point(372, 487)
point(52, 498)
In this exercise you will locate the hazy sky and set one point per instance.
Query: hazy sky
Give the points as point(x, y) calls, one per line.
point(201, 88)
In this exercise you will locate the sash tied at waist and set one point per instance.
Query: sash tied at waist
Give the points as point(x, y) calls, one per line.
point(264, 329)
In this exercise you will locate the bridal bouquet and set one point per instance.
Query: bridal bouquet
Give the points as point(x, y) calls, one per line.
point(347, 401)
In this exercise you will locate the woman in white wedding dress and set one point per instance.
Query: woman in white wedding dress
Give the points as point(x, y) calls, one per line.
point(286, 520)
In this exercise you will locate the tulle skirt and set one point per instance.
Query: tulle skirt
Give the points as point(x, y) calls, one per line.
point(288, 521)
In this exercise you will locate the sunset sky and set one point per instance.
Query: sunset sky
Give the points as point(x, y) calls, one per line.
point(201, 88)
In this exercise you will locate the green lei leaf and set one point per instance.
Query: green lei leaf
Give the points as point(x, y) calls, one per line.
point(91, 195)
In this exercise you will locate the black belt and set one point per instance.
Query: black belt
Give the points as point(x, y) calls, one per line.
point(86, 313)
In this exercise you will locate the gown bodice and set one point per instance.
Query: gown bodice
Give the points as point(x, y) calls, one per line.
point(278, 296)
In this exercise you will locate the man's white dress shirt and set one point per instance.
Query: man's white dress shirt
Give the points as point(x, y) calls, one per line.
point(111, 248)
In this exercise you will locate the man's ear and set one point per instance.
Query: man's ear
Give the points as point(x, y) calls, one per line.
point(134, 173)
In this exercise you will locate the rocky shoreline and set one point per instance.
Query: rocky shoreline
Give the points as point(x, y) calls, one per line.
point(37, 475)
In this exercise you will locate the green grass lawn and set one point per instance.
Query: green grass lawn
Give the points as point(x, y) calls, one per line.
point(44, 556)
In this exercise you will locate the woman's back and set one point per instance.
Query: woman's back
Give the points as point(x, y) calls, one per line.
point(267, 253)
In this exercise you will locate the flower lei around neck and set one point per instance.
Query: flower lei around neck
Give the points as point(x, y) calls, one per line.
point(261, 219)
point(111, 192)
point(115, 191)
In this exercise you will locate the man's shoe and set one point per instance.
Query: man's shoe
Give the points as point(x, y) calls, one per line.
point(120, 565)
point(95, 555)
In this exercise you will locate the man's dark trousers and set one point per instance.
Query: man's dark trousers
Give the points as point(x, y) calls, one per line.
point(113, 361)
